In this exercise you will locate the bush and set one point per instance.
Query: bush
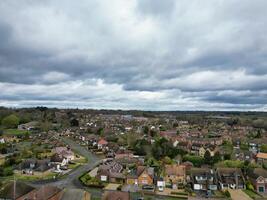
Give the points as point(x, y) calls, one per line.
point(6, 171)
point(11, 121)
point(249, 186)
point(227, 193)
point(87, 180)
point(179, 193)
point(196, 160)
point(230, 163)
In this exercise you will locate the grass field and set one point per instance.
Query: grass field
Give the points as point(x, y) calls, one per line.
point(46, 175)
point(23, 177)
point(15, 132)
point(252, 194)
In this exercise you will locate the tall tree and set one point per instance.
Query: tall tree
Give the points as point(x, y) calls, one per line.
point(207, 157)
point(11, 121)
point(216, 157)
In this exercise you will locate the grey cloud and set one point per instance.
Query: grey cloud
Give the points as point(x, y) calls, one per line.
point(155, 7)
point(196, 48)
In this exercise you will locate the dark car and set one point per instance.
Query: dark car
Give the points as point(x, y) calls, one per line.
point(148, 187)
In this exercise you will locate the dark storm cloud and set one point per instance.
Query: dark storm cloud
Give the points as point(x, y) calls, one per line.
point(162, 53)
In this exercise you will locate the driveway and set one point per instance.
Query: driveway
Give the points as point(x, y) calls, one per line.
point(239, 195)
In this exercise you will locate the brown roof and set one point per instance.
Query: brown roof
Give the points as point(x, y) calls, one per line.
point(255, 173)
point(178, 170)
point(102, 142)
point(116, 195)
point(43, 193)
point(7, 192)
point(262, 155)
point(149, 171)
point(140, 170)
point(75, 194)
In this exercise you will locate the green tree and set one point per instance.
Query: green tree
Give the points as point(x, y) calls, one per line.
point(11, 121)
point(45, 126)
point(146, 130)
point(196, 160)
point(140, 147)
point(100, 131)
point(74, 122)
point(264, 148)
point(162, 147)
point(259, 134)
point(207, 157)
point(216, 157)
point(167, 160)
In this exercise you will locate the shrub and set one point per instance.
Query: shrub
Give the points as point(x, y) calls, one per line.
point(227, 193)
point(249, 186)
point(11, 121)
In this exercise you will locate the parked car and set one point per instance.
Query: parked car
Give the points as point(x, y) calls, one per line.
point(148, 187)
point(160, 188)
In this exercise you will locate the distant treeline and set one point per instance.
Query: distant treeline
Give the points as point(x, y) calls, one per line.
point(44, 114)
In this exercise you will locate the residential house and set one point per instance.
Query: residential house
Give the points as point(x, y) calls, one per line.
point(254, 147)
point(30, 166)
point(75, 194)
point(184, 146)
point(243, 155)
point(58, 160)
point(203, 179)
point(201, 151)
point(14, 190)
point(258, 178)
point(205, 141)
point(28, 126)
point(210, 148)
point(46, 192)
point(261, 158)
point(140, 176)
point(145, 175)
point(178, 159)
point(230, 178)
point(174, 175)
point(116, 195)
point(64, 152)
point(195, 148)
point(111, 171)
point(102, 143)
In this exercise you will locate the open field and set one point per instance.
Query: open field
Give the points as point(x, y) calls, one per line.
point(15, 132)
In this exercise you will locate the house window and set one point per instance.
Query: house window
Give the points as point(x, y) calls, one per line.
point(104, 178)
point(261, 188)
point(144, 182)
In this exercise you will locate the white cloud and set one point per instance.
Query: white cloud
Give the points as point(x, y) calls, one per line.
point(148, 54)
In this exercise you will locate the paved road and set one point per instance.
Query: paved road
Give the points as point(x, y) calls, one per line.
point(72, 179)
point(239, 195)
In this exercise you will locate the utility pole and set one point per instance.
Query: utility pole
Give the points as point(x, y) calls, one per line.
point(14, 194)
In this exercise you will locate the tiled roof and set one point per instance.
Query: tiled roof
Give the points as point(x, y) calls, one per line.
point(262, 155)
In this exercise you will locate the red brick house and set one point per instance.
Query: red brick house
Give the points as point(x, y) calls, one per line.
point(258, 178)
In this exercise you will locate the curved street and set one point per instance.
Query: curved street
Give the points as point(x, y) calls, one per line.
point(71, 180)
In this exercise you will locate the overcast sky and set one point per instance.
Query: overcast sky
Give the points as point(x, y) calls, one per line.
point(134, 54)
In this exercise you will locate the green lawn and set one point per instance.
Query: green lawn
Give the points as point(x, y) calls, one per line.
point(252, 194)
point(73, 166)
point(23, 177)
point(15, 132)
